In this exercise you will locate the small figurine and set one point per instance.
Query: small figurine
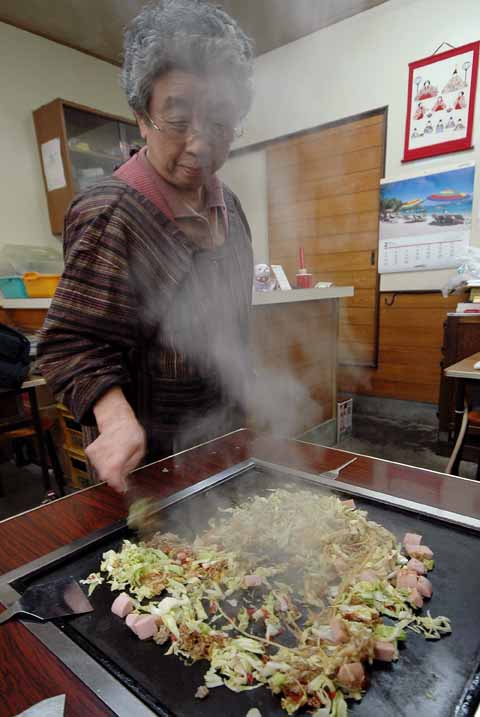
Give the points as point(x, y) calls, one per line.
point(263, 278)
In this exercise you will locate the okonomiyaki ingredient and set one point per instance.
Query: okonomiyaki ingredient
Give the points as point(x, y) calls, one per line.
point(131, 619)
point(145, 627)
point(93, 581)
point(407, 579)
point(298, 607)
point(202, 692)
point(417, 565)
point(122, 605)
point(412, 539)
point(422, 552)
point(424, 587)
point(415, 598)
point(385, 651)
point(351, 675)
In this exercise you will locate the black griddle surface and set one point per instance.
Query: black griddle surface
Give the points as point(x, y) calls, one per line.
point(429, 679)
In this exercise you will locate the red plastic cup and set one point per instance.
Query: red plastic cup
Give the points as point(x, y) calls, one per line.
point(304, 279)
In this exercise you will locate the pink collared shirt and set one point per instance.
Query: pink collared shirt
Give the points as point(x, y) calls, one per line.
point(206, 229)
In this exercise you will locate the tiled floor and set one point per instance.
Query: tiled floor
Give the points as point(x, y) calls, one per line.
point(21, 489)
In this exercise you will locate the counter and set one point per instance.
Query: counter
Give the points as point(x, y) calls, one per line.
point(293, 336)
point(294, 344)
point(29, 673)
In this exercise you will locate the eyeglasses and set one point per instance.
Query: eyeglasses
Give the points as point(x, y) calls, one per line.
point(181, 129)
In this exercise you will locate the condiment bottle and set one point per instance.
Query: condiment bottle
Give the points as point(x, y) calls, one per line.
point(303, 277)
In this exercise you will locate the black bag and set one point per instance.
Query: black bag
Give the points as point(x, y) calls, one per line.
point(14, 357)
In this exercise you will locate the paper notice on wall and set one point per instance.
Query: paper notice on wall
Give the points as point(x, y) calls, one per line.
point(53, 164)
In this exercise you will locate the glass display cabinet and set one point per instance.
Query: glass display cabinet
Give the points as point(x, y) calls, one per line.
point(78, 147)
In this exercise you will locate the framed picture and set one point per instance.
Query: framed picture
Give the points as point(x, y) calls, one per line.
point(441, 103)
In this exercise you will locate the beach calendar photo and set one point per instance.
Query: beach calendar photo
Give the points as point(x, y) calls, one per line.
point(425, 220)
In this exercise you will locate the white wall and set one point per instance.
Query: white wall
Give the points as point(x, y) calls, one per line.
point(247, 175)
point(355, 66)
point(35, 71)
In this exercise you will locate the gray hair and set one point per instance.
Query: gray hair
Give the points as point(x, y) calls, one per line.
point(189, 35)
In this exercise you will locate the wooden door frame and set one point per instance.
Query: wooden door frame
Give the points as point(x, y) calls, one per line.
point(310, 130)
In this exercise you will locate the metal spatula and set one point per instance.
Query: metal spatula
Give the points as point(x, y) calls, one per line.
point(54, 599)
point(333, 474)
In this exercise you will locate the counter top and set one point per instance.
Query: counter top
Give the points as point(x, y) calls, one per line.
point(25, 303)
point(259, 298)
point(262, 298)
point(30, 673)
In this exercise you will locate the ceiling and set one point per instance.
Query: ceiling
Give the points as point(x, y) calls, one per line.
point(95, 26)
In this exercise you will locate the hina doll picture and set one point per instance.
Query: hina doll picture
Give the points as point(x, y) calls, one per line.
point(441, 102)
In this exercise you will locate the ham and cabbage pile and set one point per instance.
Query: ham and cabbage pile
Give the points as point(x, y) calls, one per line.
point(295, 591)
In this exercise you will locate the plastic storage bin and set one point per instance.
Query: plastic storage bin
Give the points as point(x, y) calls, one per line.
point(40, 285)
point(12, 287)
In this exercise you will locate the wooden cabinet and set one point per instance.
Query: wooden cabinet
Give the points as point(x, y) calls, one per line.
point(461, 339)
point(86, 144)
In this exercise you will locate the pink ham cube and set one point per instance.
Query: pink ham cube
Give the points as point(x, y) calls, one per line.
point(415, 598)
point(349, 503)
point(412, 539)
point(422, 552)
point(424, 587)
point(417, 566)
point(122, 605)
point(132, 619)
point(145, 627)
point(384, 651)
point(339, 633)
point(252, 581)
point(351, 675)
point(407, 579)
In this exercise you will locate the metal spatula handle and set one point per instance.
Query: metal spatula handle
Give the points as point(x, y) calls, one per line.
point(16, 609)
point(340, 468)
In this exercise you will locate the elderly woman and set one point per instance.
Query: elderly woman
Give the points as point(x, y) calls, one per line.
point(145, 339)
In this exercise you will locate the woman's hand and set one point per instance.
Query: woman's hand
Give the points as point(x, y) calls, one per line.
point(121, 444)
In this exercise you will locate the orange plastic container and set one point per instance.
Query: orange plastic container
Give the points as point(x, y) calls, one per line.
point(40, 286)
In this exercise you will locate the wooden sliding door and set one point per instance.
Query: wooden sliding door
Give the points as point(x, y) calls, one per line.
point(323, 194)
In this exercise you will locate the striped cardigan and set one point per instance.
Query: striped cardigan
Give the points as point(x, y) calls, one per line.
point(140, 306)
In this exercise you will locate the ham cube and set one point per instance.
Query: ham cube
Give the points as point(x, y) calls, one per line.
point(412, 539)
point(145, 627)
point(252, 581)
point(122, 605)
point(349, 503)
point(368, 576)
point(339, 633)
point(351, 675)
point(131, 619)
point(384, 651)
point(415, 598)
point(424, 587)
point(407, 579)
point(422, 552)
point(417, 566)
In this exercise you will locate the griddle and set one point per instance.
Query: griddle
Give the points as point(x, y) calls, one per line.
point(431, 678)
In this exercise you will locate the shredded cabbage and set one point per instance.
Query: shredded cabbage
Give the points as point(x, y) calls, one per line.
point(313, 614)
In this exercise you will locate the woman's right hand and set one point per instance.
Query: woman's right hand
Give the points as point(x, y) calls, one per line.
point(121, 444)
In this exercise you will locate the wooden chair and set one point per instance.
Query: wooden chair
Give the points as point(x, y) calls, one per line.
point(471, 419)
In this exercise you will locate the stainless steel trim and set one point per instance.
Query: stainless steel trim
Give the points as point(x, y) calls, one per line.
point(447, 516)
point(105, 686)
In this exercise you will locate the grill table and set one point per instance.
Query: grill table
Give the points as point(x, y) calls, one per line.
point(134, 678)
